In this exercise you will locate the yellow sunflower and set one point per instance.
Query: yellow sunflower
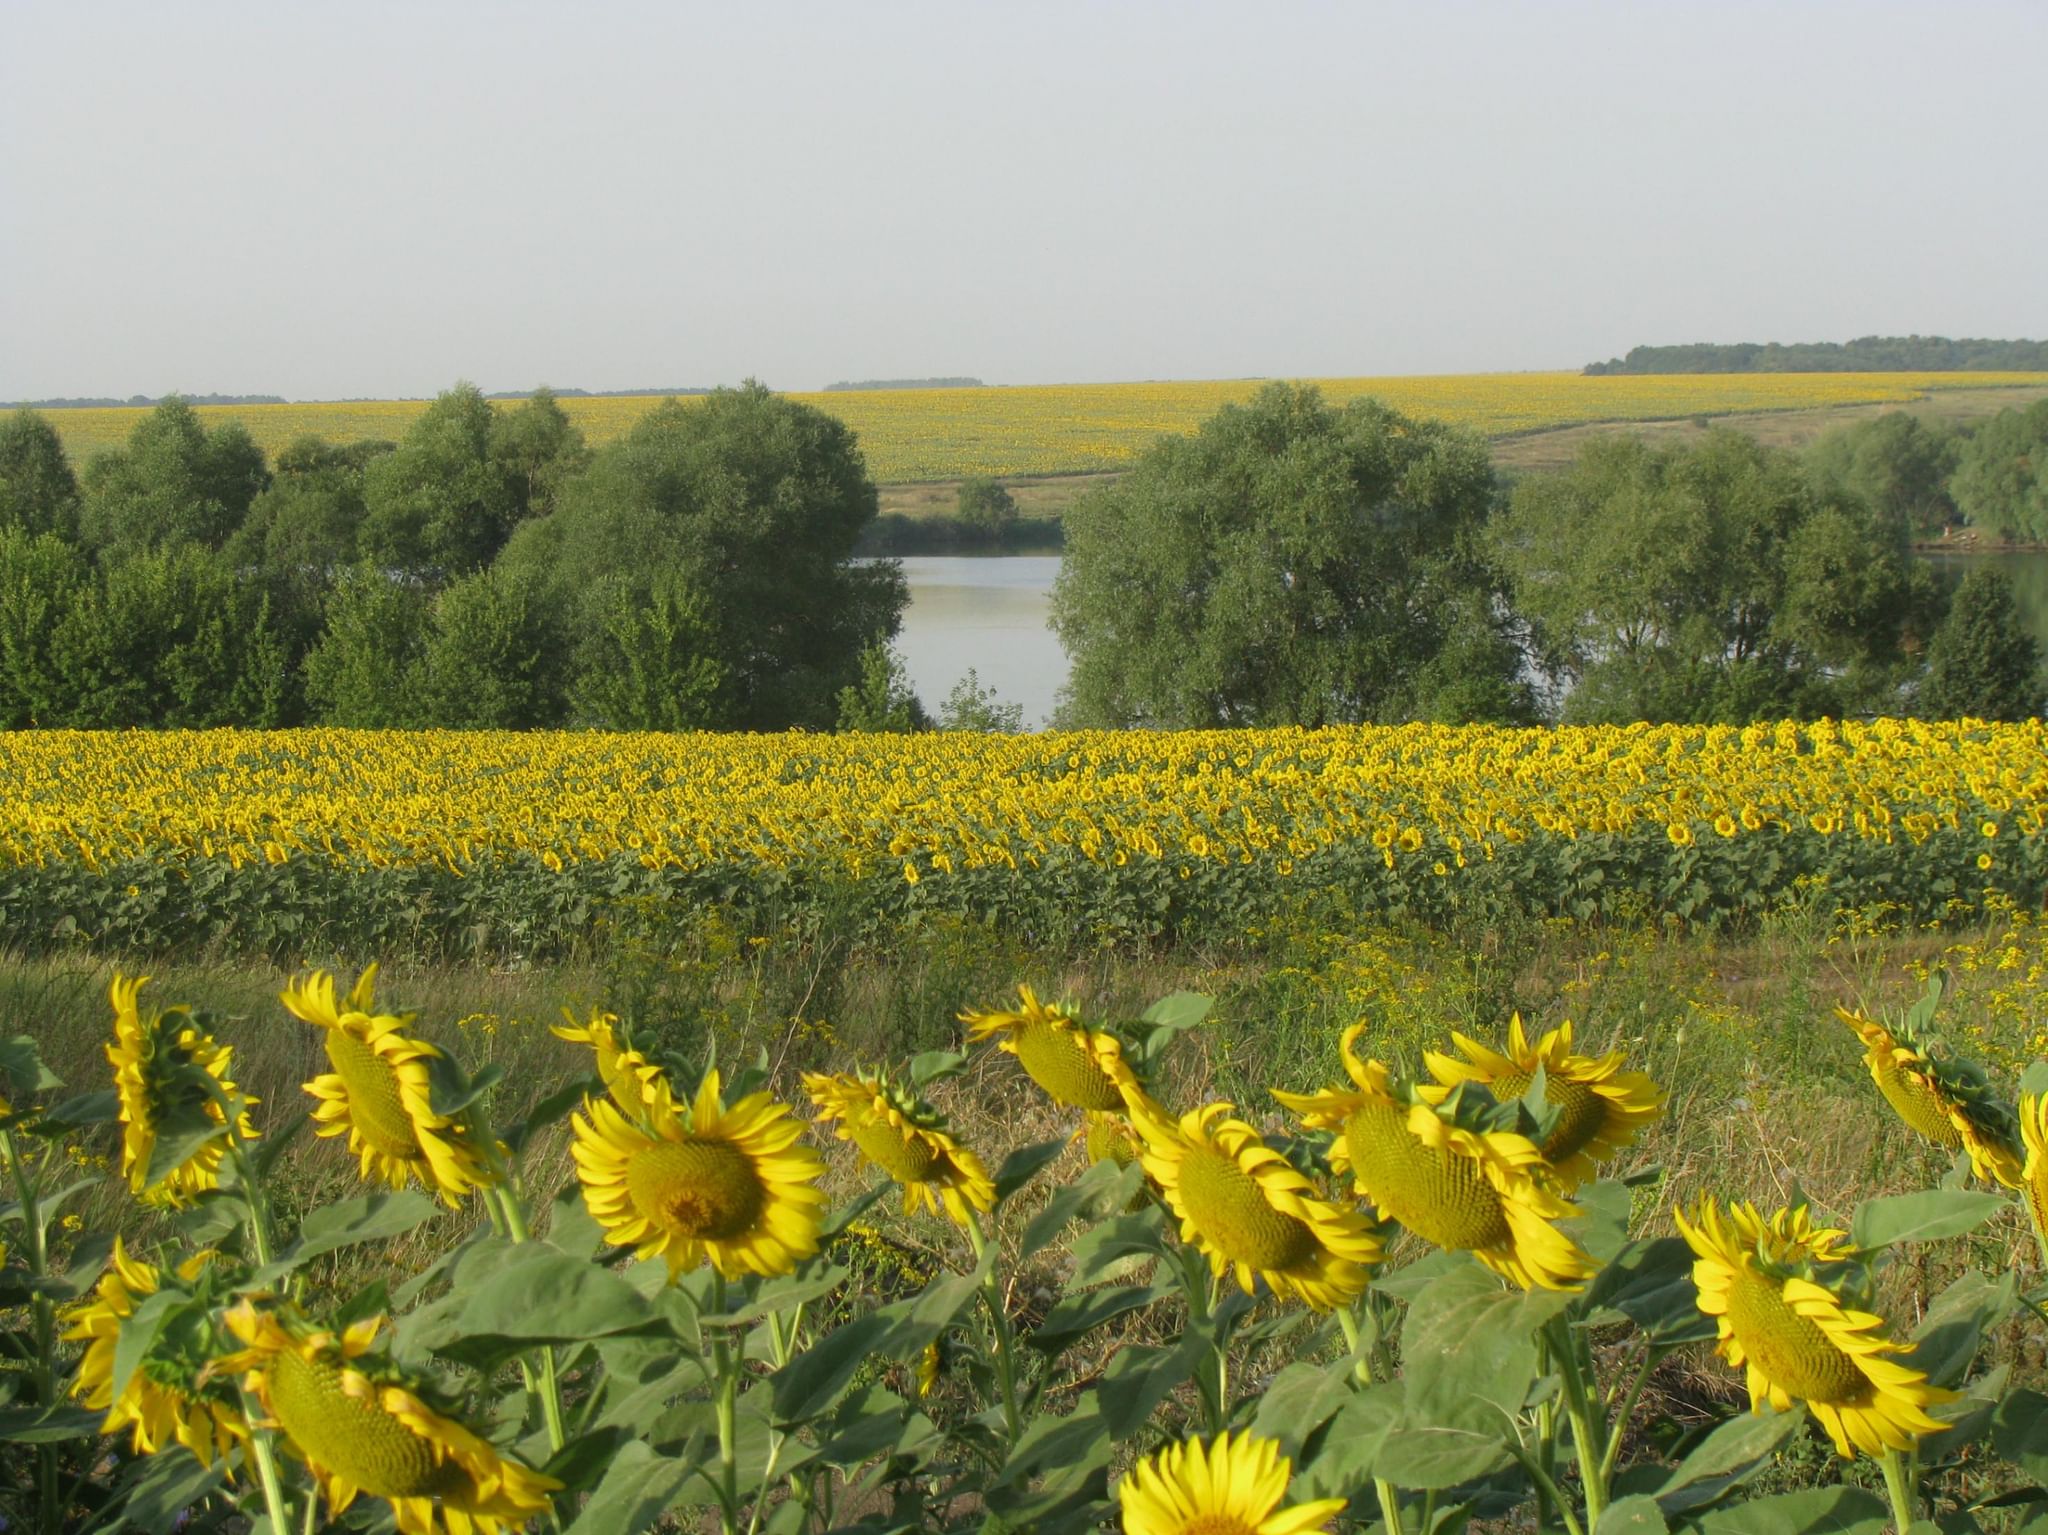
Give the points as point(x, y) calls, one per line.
point(1225, 1487)
point(907, 1140)
point(161, 1404)
point(1601, 1108)
point(359, 1428)
point(155, 1060)
point(1485, 1192)
point(1077, 1066)
point(634, 1082)
point(2034, 1175)
point(733, 1184)
point(380, 1093)
point(1941, 1099)
point(1253, 1213)
point(1772, 1288)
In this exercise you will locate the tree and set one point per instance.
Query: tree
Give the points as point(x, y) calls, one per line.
point(2001, 478)
point(1711, 583)
point(985, 507)
point(38, 492)
point(541, 449)
point(1982, 663)
point(754, 502)
point(359, 673)
point(645, 661)
point(970, 706)
point(174, 483)
point(494, 657)
point(1894, 462)
point(42, 578)
point(444, 502)
point(882, 700)
point(1291, 563)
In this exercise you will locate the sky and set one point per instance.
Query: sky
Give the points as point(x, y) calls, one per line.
point(326, 200)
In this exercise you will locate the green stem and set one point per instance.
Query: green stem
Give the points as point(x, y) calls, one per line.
point(728, 1414)
point(1361, 1371)
point(274, 1501)
point(1390, 1505)
point(1547, 1488)
point(1628, 1408)
point(312, 1520)
point(254, 1199)
point(549, 1390)
point(1587, 1435)
point(44, 1367)
point(999, 1323)
point(1898, 1482)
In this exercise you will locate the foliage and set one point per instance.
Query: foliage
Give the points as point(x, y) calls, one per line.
point(494, 656)
point(373, 634)
point(883, 700)
point(444, 502)
point(645, 661)
point(2001, 478)
point(42, 578)
point(38, 492)
point(1711, 583)
point(173, 482)
point(970, 706)
point(1866, 354)
point(1290, 564)
point(1896, 463)
point(985, 507)
point(1982, 663)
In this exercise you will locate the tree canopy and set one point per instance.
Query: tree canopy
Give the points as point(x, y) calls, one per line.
point(2001, 478)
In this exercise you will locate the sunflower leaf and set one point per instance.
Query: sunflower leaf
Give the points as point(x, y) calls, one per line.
point(21, 1065)
point(139, 1330)
point(2034, 1080)
point(1637, 1514)
point(1734, 1452)
point(1927, 1216)
point(1815, 1511)
point(178, 1138)
point(638, 1488)
point(2019, 1430)
point(935, 1066)
point(366, 1218)
point(1024, 1164)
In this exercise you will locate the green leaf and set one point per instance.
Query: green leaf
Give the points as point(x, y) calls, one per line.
point(21, 1064)
point(1061, 1451)
point(1077, 1315)
point(177, 1139)
point(164, 1487)
point(1024, 1164)
point(1650, 1283)
point(1734, 1452)
point(782, 1294)
point(451, 1092)
point(1300, 1400)
point(1100, 1247)
point(506, 1294)
point(810, 1383)
point(138, 1333)
point(1633, 1516)
point(97, 1108)
point(1343, 1457)
point(1178, 1010)
point(1103, 1188)
point(934, 1066)
point(551, 1107)
point(36, 1425)
point(637, 1489)
point(366, 1218)
point(874, 1422)
point(1927, 1216)
point(2019, 1432)
point(1949, 1337)
point(1816, 1511)
point(2034, 1080)
point(1141, 1376)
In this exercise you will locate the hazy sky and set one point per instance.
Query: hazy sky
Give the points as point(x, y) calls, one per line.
point(321, 200)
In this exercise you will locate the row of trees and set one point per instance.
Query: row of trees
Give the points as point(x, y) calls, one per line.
point(1866, 354)
point(487, 570)
point(1297, 563)
point(1993, 475)
point(1291, 563)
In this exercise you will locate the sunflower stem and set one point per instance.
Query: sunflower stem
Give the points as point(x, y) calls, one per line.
point(275, 1503)
point(1588, 1437)
point(728, 1415)
point(548, 1391)
point(1361, 1369)
point(1390, 1505)
point(43, 1367)
point(1628, 1408)
point(1898, 1482)
point(999, 1324)
point(1546, 1488)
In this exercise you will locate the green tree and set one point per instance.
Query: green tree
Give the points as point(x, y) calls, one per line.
point(1894, 462)
point(541, 449)
point(444, 502)
point(985, 507)
point(755, 502)
point(970, 706)
point(359, 672)
point(42, 578)
point(1291, 563)
point(174, 482)
point(38, 492)
point(2001, 478)
point(882, 700)
point(494, 656)
point(645, 660)
point(1982, 663)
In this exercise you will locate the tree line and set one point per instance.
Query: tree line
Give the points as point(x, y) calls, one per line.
point(1292, 562)
point(1866, 354)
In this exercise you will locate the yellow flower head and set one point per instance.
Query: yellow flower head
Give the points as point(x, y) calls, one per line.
point(733, 1185)
point(1076, 1065)
point(1252, 1212)
point(907, 1140)
point(2034, 1175)
point(380, 1093)
point(636, 1084)
point(1937, 1098)
point(1601, 1108)
point(161, 1404)
point(1486, 1192)
point(1772, 1288)
point(360, 1428)
point(1224, 1487)
point(155, 1061)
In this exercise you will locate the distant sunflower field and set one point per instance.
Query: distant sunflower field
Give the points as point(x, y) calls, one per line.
point(293, 842)
point(913, 435)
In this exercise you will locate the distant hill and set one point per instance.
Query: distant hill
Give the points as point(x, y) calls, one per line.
point(1866, 354)
point(906, 383)
point(589, 394)
point(83, 403)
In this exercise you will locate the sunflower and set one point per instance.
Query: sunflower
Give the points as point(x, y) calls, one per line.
point(1601, 1108)
point(1773, 1288)
point(1480, 1191)
point(1108, 1137)
point(733, 1185)
point(907, 1140)
point(380, 1093)
point(1077, 1066)
point(633, 1081)
point(1248, 1208)
point(1226, 1487)
point(161, 1404)
point(157, 1061)
point(2034, 1175)
point(1940, 1098)
point(361, 1428)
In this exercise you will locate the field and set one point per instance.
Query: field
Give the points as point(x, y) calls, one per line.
point(916, 435)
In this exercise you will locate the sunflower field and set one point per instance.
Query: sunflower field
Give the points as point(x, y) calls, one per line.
point(1397, 1301)
point(298, 843)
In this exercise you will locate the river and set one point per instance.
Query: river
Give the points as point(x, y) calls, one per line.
point(988, 612)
